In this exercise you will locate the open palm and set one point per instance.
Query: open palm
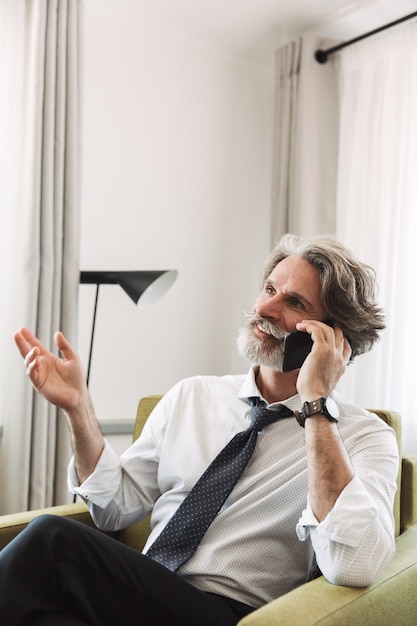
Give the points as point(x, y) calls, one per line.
point(60, 380)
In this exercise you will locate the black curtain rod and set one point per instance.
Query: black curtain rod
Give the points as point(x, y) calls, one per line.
point(322, 56)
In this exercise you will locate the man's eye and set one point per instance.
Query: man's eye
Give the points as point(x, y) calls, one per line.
point(269, 289)
point(297, 304)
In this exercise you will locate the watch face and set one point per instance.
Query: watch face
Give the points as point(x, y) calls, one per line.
point(332, 408)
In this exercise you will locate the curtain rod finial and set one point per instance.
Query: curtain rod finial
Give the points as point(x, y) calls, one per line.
point(321, 56)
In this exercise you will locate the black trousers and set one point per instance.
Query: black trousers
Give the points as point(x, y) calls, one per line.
point(62, 572)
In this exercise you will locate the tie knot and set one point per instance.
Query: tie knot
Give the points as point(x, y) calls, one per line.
point(261, 416)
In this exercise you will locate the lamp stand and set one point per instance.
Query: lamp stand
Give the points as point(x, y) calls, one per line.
point(92, 335)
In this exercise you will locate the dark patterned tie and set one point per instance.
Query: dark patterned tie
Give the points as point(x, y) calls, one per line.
point(184, 531)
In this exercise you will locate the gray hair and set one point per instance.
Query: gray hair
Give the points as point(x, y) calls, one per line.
point(347, 286)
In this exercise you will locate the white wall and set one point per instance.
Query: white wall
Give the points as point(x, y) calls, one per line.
point(177, 147)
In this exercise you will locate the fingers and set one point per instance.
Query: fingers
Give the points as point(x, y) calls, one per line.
point(318, 330)
point(342, 344)
point(32, 363)
point(31, 357)
point(64, 346)
point(327, 361)
point(25, 341)
point(333, 336)
point(30, 347)
point(347, 351)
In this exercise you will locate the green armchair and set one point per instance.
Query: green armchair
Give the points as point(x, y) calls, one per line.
point(391, 600)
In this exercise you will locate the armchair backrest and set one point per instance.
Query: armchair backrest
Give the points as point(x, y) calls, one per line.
point(145, 407)
point(393, 419)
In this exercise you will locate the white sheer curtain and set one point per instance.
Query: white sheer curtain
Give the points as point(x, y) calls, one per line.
point(40, 58)
point(346, 162)
point(305, 157)
point(377, 207)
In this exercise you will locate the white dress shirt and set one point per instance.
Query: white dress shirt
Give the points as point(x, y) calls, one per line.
point(265, 540)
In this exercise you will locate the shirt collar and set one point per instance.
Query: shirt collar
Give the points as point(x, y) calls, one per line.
point(249, 389)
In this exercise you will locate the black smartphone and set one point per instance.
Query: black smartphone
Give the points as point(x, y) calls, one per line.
point(297, 347)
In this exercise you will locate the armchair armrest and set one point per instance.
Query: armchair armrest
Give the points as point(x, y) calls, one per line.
point(391, 599)
point(11, 525)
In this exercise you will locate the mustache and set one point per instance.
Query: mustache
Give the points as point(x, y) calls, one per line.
point(271, 328)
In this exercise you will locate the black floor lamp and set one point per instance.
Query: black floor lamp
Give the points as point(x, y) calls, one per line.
point(144, 285)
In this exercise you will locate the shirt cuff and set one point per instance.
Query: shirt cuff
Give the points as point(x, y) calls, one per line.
point(352, 513)
point(102, 485)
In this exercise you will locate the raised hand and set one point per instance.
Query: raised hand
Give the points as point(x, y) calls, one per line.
point(61, 381)
point(326, 363)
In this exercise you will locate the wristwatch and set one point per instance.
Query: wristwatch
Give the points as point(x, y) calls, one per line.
point(325, 406)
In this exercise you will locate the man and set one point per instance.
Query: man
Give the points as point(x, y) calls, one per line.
point(316, 494)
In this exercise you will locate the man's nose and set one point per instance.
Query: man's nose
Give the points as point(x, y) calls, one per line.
point(269, 307)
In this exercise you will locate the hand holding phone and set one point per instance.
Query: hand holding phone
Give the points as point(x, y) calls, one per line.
point(297, 346)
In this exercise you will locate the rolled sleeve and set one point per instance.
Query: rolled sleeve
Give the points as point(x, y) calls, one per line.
point(356, 539)
point(346, 523)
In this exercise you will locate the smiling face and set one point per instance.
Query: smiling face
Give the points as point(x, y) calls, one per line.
point(291, 293)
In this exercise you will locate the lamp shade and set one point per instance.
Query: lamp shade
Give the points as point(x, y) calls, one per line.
point(145, 286)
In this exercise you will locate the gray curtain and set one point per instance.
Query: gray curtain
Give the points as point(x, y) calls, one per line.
point(305, 159)
point(43, 288)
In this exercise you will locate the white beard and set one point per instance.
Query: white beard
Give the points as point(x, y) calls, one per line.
point(266, 351)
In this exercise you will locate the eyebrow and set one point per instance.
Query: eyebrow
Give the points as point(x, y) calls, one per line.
point(294, 294)
point(307, 304)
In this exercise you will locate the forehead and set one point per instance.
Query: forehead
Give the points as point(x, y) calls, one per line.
point(296, 275)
